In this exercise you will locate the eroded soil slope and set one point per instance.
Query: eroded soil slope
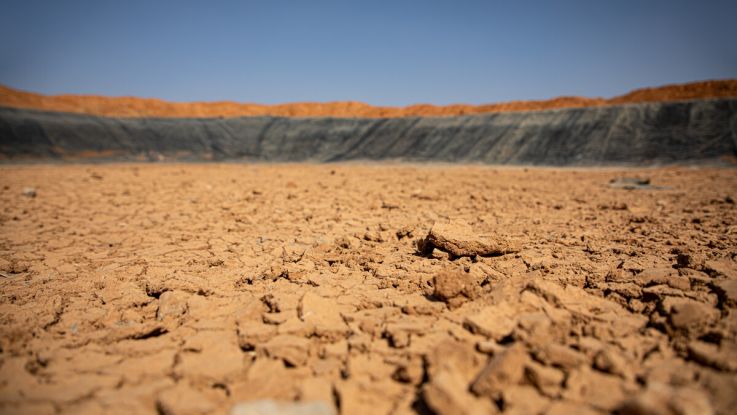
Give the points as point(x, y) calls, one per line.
point(148, 107)
point(642, 134)
point(189, 288)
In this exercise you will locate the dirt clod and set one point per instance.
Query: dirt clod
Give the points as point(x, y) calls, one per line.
point(454, 287)
point(459, 239)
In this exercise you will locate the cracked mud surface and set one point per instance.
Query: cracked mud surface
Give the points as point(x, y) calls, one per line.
point(184, 289)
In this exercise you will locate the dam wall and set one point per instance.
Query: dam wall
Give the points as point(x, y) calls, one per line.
point(639, 134)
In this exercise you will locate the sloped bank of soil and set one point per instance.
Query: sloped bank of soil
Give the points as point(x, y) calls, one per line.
point(368, 289)
point(637, 134)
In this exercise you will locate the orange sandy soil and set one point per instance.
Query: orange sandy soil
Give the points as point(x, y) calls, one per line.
point(145, 107)
point(186, 288)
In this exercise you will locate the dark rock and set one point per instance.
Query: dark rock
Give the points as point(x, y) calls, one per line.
point(630, 183)
point(405, 232)
point(689, 259)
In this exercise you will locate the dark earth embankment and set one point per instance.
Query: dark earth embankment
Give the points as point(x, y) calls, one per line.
point(643, 134)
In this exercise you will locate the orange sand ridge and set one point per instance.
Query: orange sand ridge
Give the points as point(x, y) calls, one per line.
point(149, 107)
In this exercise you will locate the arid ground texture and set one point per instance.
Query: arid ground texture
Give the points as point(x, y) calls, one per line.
point(367, 288)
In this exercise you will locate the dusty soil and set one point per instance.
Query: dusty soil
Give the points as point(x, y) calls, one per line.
point(372, 288)
point(147, 107)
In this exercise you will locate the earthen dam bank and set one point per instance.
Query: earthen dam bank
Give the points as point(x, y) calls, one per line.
point(638, 134)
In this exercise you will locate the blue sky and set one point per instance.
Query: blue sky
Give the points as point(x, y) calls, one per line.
point(380, 52)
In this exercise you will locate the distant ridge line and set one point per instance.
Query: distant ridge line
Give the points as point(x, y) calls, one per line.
point(132, 107)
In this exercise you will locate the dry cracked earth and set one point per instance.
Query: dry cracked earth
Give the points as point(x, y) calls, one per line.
point(380, 288)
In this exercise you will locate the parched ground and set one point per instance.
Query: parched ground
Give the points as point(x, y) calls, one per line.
point(184, 289)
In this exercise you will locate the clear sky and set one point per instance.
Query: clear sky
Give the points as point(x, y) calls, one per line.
point(380, 52)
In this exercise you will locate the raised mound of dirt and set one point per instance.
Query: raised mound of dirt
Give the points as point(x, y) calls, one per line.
point(642, 134)
point(146, 107)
